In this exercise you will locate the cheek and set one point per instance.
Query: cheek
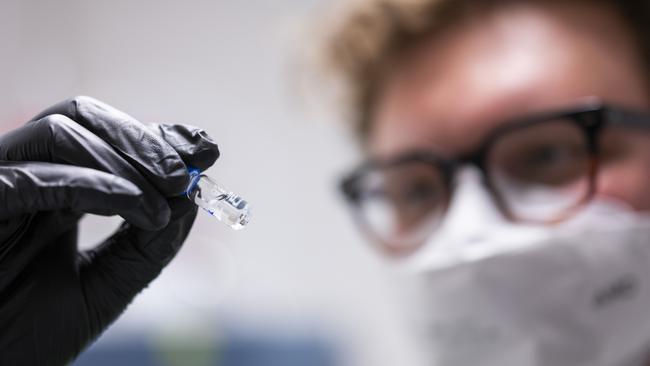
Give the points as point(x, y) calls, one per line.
point(627, 177)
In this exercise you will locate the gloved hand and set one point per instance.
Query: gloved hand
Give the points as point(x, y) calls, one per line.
point(83, 156)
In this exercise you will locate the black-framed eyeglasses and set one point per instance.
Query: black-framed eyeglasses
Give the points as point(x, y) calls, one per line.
point(540, 169)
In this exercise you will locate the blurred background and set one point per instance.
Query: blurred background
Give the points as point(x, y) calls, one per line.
point(298, 286)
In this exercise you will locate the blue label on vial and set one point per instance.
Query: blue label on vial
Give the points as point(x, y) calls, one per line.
point(193, 172)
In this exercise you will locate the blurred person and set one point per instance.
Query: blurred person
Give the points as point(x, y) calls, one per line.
point(508, 147)
point(83, 156)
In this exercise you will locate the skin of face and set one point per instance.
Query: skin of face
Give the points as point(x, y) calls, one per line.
point(449, 92)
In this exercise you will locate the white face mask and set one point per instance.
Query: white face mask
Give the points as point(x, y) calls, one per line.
point(499, 294)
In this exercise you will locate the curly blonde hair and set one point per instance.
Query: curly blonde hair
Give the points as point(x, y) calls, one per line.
point(372, 35)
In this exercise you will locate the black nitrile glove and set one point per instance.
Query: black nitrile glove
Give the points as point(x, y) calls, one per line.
point(83, 156)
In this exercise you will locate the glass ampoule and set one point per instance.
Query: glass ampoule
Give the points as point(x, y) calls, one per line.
point(226, 206)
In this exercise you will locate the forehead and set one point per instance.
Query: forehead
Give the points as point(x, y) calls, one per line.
point(451, 91)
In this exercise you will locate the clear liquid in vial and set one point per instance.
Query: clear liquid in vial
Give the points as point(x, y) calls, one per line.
point(226, 206)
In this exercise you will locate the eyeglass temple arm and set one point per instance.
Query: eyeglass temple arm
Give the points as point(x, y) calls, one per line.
point(629, 118)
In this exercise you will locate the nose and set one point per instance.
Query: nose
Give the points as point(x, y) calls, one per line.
point(470, 222)
point(474, 228)
point(472, 211)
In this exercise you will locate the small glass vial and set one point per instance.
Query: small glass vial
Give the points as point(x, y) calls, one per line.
point(226, 206)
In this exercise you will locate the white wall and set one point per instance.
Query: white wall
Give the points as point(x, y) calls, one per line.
point(227, 67)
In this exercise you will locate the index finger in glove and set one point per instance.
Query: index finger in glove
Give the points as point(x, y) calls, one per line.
point(57, 139)
point(145, 150)
point(28, 187)
point(194, 146)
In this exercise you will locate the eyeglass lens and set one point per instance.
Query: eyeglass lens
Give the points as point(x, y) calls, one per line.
point(541, 172)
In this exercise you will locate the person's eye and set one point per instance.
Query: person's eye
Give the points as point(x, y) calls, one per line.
point(422, 193)
point(551, 155)
point(553, 163)
point(417, 192)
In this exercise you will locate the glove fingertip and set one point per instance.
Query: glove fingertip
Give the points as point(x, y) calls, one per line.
point(205, 151)
point(124, 187)
point(193, 144)
point(203, 159)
